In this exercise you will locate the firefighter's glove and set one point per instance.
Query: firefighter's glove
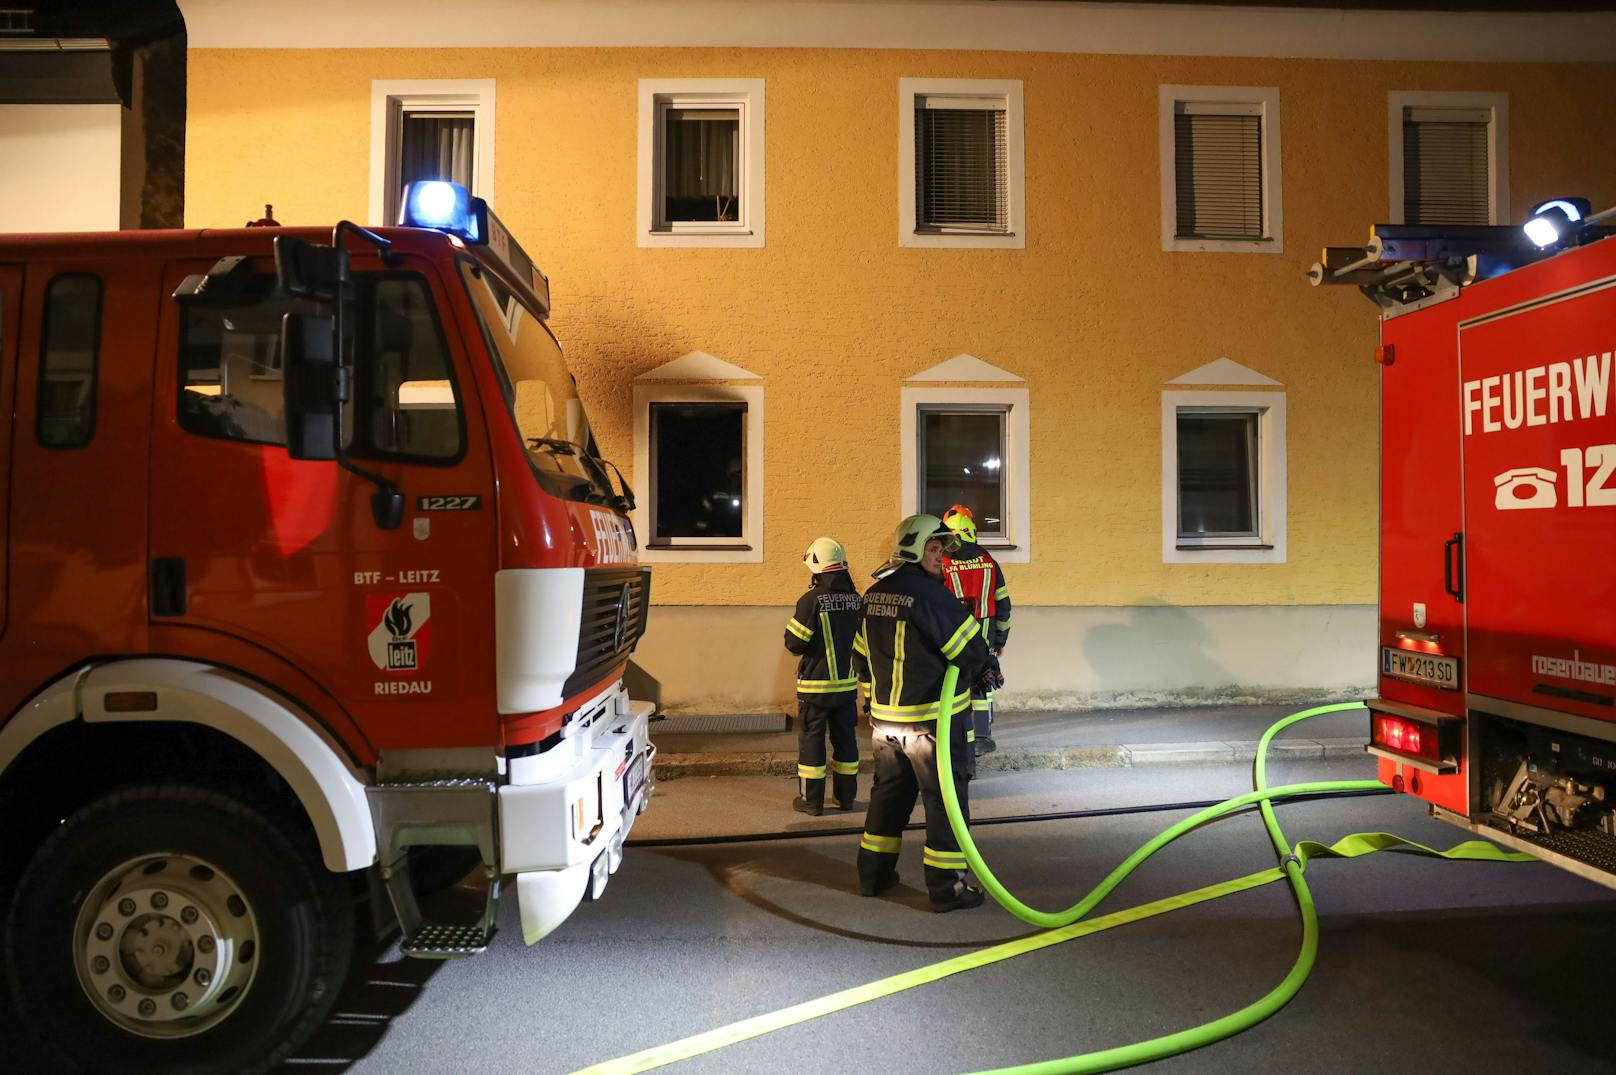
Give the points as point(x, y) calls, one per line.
point(991, 678)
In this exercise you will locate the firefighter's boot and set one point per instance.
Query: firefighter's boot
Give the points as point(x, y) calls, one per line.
point(810, 796)
point(965, 897)
point(845, 787)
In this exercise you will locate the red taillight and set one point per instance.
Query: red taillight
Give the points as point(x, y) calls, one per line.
point(1406, 737)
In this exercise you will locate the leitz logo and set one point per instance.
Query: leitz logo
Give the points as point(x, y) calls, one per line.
point(1574, 667)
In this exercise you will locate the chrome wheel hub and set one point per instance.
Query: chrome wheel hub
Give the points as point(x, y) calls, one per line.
point(165, 946)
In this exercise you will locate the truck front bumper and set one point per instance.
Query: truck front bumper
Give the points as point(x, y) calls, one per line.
point(564, 814)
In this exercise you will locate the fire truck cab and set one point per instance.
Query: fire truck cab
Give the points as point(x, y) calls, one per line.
point(315, 596)
point(1497, 700)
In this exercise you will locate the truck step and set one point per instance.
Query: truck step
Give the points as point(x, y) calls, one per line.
point(434, 941)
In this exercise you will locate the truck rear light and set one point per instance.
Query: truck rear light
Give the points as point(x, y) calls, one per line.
point(1406, 736)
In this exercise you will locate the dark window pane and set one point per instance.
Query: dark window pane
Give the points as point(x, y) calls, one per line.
point(961, 168)
point(962, 462)
point(1218, 176)
point(409, 399)
point(437, 145)
point(68, 360)
point(230, 367)
point(1446, 169)
point(1217, 474)
point(696, 459)
point(701, 164)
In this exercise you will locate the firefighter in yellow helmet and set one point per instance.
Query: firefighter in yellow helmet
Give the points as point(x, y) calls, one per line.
point(820, 634)
point(978, 581)
point(913, 629)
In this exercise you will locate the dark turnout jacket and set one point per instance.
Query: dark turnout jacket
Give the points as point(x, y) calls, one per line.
point(820, 632)
point(914, 627)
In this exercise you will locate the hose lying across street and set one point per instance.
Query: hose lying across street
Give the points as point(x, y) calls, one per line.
point(1060, 926)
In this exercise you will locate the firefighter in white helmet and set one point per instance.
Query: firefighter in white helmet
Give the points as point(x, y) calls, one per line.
point(978, 581)
point(913, 629)
point(820, 634)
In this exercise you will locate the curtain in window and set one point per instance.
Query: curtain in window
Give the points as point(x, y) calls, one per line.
point(437, 145)
point(961, 168)
point(701, 152)
point(1218, 174)
point(1445, 166)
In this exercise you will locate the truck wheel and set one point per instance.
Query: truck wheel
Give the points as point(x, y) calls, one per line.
point(175, 929)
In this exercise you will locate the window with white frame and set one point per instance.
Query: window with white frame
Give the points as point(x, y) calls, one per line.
point(1223, 477)
point(1448, 154)
point(969, 446)
point(700, 449)
point(701, 162)
point(1220, 177)
point(429, 129)
point(961, 163)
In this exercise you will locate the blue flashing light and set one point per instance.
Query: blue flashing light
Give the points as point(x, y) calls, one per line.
point(442, 206)
point(1555, 219)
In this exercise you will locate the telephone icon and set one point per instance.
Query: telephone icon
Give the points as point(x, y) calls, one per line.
point(1525, 487)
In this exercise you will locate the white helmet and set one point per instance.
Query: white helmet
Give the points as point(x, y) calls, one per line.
point(825, 554)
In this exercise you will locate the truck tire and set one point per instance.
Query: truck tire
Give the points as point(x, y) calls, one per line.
point(174, 929)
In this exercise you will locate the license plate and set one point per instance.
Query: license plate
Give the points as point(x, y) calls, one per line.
point(1420, 667)
point(633, 779)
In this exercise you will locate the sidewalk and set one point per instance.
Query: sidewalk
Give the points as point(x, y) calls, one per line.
point(1107, 738)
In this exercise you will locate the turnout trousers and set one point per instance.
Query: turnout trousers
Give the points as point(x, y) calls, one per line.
point(906, 768)
point(837, 715)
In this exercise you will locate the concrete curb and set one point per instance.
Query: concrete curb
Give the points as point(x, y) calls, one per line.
point(670, 766)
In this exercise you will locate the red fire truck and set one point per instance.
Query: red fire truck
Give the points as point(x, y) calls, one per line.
point(1497, 699)
point(315, 593)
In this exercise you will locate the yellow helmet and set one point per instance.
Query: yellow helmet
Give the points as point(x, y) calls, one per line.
point(825, 554)
point(960, 520)
point(910, 538)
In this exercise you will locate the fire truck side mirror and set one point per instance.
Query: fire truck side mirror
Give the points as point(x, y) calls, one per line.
point(316, 386)
point(307, 270)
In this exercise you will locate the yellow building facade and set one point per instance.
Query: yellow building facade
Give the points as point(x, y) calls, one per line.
point(1084, 322)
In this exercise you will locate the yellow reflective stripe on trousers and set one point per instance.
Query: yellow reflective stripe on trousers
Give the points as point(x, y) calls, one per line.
point(798, 629)
point(844, 768)
point(825, 686)
point(943, 860)
point(898, 640)
point(952, 647)
point(1347, 847)
point(885, 845)
point(830, 645)
point(811, 772)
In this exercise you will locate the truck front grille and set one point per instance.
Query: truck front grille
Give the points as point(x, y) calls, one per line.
point(616, 600)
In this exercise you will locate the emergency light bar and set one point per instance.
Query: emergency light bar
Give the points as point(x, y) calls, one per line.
point(1560, 219)
point(450, 208)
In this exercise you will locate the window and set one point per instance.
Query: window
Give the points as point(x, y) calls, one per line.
point(1447, 152)
point(68, 361)
point(969, 446)
point(701, 162)
point(700, 449)
point(405, 406)
point(1220, 169)
point(961, 163)
point(1223, 477)
point(961, 457)
point(429, 129)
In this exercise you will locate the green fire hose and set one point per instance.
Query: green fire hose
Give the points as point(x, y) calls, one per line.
point(1064, 925)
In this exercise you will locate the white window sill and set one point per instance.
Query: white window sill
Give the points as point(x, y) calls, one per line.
point(964, 239)
point(1224, 246)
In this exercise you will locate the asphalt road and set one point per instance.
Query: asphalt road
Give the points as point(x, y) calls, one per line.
point(1423, 964)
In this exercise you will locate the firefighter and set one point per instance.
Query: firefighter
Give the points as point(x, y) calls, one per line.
point(913, 628)
point(977, 580)
point(820, 633)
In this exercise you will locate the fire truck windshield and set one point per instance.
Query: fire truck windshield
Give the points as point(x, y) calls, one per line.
point(539, 390)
